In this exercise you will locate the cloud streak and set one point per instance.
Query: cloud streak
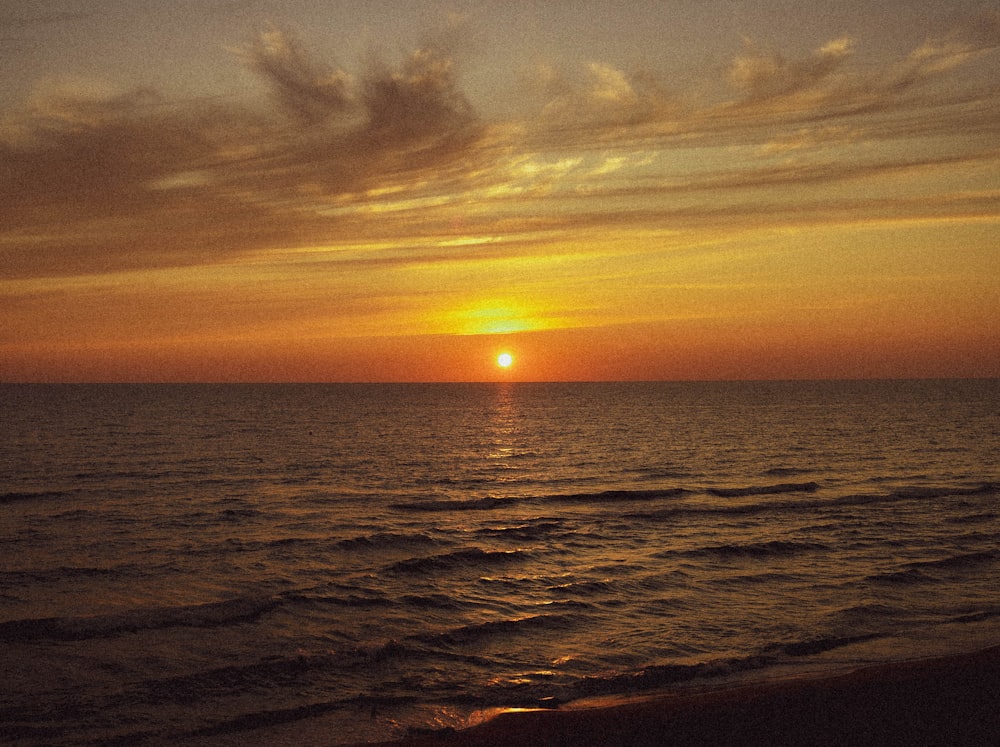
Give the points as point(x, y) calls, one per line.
point(96, 181)
point(130, 170)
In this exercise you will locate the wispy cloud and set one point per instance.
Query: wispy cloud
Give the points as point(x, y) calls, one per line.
point(762, 74)
point(96, 180)
point(309, 91)
point(145, 181)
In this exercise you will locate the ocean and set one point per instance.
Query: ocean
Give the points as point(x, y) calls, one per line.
point(184, 562)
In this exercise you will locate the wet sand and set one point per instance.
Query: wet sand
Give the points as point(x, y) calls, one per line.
point(950, 701)
point(945, 701)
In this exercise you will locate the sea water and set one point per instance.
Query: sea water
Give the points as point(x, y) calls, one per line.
point(193, 560)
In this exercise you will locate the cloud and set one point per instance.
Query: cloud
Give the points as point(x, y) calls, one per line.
point(937, 56)
point(598, 96)
point(422, 98)
point(86, 145)
point(773, 97)
point(309, 91)
point(417, 98)
point(766, 74)
point(131, 179)
point(95, 179)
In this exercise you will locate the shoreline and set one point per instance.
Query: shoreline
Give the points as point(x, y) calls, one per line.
point(952, 700)
point(941, 700)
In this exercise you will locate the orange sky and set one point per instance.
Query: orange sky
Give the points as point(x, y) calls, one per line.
point(690, 194)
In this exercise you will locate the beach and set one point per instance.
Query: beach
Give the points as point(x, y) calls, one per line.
point(951, 700)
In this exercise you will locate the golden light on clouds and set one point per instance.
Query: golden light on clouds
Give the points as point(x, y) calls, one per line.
point(829, 207)
point(495, 319)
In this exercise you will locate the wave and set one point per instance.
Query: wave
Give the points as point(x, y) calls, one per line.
point(531, 530)
point(375, 600)
point(815, 646)
point(864, 614)
point(909, 494)
point(353, 601)
point(264, 719)
point(263, 673)
point(986, 488)
point(663, 473)
point(384, 541)
point(980, 518)
point(903, 577)
point(785, 487)
point(236, 514)
point(605, 586)
point(860, 500)
point(920, 571)
point(673, 512)
point(773, 548)
point(667, 675)
point(473, 504)
point(214, 614)
point(459, 559)
point(61, 573)
point(614, 496)
point(603, 496)
point(663, 675)
point(960, 562)
point(377, 541)
point(976, 616)
point(17, 496)
point(476, 632)
point(432, 601)
point(786, 471)
point(294, 671)
point(254, 720)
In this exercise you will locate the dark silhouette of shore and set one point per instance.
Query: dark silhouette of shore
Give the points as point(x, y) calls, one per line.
point(952, 700)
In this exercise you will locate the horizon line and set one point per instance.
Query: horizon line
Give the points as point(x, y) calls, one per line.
point(493, 381)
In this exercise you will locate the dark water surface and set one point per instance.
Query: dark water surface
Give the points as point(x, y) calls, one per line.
point(192, 560)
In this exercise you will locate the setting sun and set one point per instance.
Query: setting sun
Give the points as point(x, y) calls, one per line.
point(505, 360)
point(763, 193)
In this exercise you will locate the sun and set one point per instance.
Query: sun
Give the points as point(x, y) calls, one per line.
point(505, 360)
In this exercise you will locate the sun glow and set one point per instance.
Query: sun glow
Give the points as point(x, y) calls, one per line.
point(505, 360)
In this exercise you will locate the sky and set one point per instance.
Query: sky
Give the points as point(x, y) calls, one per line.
point(307, 190)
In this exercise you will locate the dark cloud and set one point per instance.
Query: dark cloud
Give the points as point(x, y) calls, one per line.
point(308, 90)
point(79, 153)
point(180, 182)
point(417, 98)
point(422, 98)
